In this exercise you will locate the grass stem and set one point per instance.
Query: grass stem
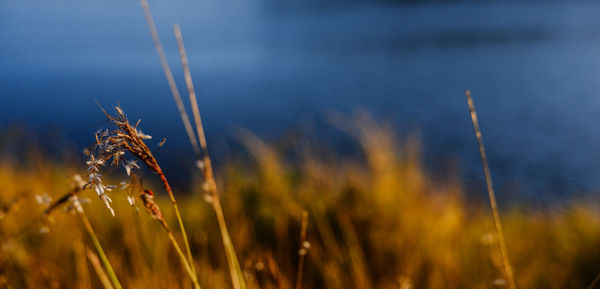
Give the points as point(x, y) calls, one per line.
point(179, 220)
point(147, 199)
point(103, 258)
point(182, 112)
point(169, 75)
point(98, 269)
point(492, 195)
point(235, 270)
point(188, 267)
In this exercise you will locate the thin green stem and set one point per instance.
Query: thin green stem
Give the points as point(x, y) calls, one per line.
point(103, 258)
point(179, 219)
point(98, 269)
point(188, 267)
point(155, 212)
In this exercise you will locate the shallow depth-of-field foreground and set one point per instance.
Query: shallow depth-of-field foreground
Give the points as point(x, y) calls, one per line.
point(374, 221)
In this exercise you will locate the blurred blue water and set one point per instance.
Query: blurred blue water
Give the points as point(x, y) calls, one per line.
point(533, 70)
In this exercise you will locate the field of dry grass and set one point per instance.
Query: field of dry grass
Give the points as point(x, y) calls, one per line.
point(374, 221)
point(317, 220)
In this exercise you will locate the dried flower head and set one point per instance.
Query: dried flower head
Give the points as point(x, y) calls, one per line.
point(110, 148)
point(147, 197)
point(125, 137)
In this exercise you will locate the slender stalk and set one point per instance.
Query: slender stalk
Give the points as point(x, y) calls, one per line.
point(147, 199)
point(189, 84)
point(188, 267)
point(182, 112)
point(103, 258)
point(163, 179)
point(98, 268)
point(303, 249)
point(492, 195)
point(237, 277)
point(235, 270)
point(169, 75)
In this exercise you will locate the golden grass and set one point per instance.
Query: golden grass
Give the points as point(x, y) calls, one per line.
point(377, 220)
point(378, 223)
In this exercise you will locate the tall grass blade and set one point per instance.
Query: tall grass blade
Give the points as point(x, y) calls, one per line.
point(169, 75)
point(492, 195)
point(235, 270)
point(190, 86)
point(182, 113)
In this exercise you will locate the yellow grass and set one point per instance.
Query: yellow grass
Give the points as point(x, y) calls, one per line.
point(377, 220)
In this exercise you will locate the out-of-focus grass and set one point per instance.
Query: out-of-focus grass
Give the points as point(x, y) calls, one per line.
point(375, 221)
